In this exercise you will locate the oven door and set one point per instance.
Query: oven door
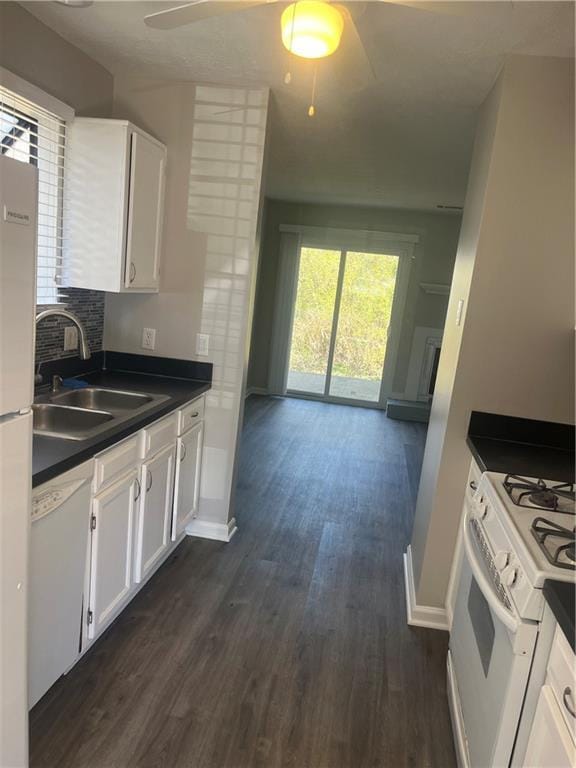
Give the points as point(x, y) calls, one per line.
point(491, 650)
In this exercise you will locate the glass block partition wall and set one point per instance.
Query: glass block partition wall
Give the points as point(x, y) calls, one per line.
point(229, 131)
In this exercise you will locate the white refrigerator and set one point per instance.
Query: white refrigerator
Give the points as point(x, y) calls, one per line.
point(18, 212)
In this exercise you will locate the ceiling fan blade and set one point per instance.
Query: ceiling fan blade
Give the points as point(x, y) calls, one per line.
point(362, 64)
point(449, 7)
point(199, 9)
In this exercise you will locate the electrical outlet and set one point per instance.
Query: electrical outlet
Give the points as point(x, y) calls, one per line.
point(202, 343)
point(70, 338)
point(148, 338)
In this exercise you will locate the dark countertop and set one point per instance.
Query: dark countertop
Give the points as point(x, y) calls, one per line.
point(52, 456)
point(561, 597)
point(508, 457)
point(520, 446)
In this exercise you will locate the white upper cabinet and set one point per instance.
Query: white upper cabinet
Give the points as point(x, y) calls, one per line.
point(113, 207)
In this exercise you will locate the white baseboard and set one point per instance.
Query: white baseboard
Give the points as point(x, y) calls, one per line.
point(420, 615)
point(255, 391)
point(204, 529)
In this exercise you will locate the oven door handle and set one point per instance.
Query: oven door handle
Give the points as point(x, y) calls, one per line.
point(486, 587)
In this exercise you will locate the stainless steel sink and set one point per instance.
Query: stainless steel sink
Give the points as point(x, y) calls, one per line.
point(71, 423)
point(95, 398)
point(79, 414)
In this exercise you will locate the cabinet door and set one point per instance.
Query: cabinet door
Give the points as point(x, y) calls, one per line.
point(113, 519)
point(145, 210)
point(155, 511)
point(187, 485)
point(549, 744)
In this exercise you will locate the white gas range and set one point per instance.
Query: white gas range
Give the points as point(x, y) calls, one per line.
point(516, 533)
point(530, 542)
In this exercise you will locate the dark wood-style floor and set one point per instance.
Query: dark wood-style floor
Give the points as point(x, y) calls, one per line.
point(286, 647)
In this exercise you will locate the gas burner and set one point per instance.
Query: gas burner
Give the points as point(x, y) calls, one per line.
point(557, 543)
point(537, 494)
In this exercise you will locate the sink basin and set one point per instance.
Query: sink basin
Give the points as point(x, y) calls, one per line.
point(94, 398)
point(80, 414)
point(67, 422)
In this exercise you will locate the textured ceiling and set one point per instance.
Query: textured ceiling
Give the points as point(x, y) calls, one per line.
point(403, 140)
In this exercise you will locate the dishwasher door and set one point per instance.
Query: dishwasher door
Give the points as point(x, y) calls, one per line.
point(58, 547)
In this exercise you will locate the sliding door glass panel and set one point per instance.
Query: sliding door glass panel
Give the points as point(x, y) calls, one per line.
point(313, 317)
point(363, 322)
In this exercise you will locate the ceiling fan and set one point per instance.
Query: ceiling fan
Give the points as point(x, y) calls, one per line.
point(311, 29)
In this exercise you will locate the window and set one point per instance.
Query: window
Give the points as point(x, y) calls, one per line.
point(32, 134)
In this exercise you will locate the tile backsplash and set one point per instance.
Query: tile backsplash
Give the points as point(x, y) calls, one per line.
point(89, 308)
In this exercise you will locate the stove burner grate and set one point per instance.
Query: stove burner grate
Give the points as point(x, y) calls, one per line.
point(537, 495)
point(547, 535)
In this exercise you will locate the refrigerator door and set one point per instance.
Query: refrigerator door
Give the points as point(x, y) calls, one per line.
point(18, 203)
point(15, 495)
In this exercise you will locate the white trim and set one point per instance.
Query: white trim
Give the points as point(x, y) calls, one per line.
point(350, 239)
point(203, 529)
point(420, 615)
point(36, 95)
point(425, 340)
point(436, 289)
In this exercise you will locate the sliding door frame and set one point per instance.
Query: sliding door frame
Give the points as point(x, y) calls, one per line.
point(360, 241)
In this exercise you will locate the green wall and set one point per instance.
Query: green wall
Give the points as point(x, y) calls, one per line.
point(434, 262)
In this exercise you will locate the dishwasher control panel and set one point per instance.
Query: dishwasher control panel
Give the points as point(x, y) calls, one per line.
point(49, 500)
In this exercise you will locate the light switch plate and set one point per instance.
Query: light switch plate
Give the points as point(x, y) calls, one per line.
point(148, 338)
point(202, 343)
point(70, 338)
point(459, 311)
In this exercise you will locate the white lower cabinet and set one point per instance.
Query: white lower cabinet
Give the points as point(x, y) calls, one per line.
point(549, 744)
point(102, 529)
point(187, 481)
point(155, 513)
point(113, 526)
point(552, 737)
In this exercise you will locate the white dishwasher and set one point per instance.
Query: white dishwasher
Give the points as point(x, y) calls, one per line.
point(58, 550)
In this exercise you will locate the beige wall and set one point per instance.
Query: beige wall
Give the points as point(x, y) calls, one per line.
point(434, 262)
point(513, 352)
point(208, 261)
point(34, 52)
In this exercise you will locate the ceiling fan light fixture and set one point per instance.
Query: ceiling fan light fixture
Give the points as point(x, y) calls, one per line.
point(311, 28)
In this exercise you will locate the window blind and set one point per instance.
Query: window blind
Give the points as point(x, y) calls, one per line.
point(34, 135)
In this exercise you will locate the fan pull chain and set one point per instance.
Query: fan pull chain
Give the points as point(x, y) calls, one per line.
point(288, 75)
point(312, 108)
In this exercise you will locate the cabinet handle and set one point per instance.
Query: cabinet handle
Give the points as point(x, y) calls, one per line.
point(132, 271)
point(474, 485)
point(183, 456)
point(566, 698)
point(139, 489)
point(195, 414)
point(149, 483)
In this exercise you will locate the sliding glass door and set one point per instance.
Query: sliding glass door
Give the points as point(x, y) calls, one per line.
point(313, 323)
point(341, 324)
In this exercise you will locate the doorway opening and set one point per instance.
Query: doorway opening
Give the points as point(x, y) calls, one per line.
point(341, 324)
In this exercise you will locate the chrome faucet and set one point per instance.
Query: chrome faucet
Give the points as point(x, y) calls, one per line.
point(55, 312)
